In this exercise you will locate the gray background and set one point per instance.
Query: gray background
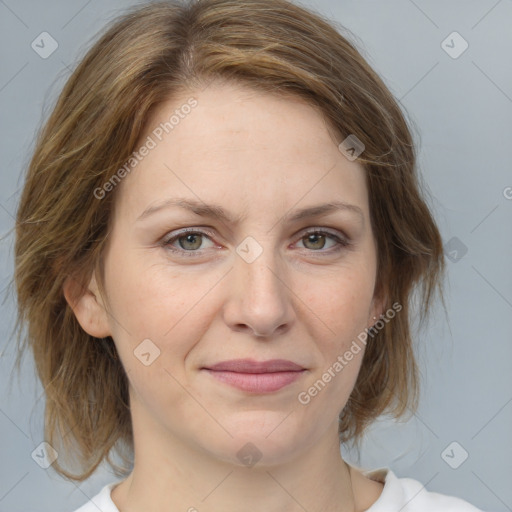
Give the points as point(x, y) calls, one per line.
point(462, 108)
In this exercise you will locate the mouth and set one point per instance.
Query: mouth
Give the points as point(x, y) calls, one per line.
point(256, 377)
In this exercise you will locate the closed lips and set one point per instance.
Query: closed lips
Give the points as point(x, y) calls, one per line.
point(250, 366)
point(256, 377)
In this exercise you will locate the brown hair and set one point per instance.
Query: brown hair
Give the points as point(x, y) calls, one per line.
point(142, 59)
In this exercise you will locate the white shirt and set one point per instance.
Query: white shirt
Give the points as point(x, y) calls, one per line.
point(398, 494)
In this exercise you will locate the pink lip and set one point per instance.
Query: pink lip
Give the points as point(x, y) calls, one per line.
point(254, 376)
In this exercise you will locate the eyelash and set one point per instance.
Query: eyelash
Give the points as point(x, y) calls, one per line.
point(341, 243)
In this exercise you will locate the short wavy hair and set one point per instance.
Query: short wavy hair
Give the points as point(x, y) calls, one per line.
point(141, 59)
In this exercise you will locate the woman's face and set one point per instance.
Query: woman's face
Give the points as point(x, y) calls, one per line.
point(247, 282)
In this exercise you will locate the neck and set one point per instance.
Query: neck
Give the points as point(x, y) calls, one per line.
point(171, 474)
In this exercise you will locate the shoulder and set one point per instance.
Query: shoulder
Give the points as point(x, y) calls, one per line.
point(102, 501)
point(409, 495)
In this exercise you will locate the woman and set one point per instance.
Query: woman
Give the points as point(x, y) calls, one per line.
point(217, 242)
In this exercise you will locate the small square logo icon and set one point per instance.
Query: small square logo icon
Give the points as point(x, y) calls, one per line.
point(351, 147)
point(44, 45)
point(454, 455)
point(249, 455)
point(249, 249)
point(455, 250)
point(146, 352)
point(454, 45)
point(44, 455)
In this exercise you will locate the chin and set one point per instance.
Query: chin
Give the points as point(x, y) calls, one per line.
point(261, 439)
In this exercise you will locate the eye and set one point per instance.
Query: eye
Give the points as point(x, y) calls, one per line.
point(189, 241)
point(316, 240)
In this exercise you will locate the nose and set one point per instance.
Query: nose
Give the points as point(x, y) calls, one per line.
point(259, 298)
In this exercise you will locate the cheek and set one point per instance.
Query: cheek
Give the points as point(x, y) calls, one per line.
point(151, 298)
point(155, 302)
point(341, 306)
point(338, 308)
point(159, 318)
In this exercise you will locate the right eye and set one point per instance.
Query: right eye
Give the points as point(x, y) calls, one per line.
point(189, 241)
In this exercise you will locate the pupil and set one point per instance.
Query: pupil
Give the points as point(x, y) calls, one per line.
point(314, 236)
point(190, 239)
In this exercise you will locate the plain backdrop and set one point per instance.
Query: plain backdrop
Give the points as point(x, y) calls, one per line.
point(460, 101)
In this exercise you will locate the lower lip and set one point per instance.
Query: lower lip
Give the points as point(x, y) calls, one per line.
point(257, 382)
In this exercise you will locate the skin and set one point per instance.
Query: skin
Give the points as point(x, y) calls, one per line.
point(260, 156)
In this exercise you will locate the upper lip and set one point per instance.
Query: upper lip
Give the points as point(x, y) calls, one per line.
point(251, 366)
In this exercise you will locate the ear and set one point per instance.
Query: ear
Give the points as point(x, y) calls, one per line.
point(87, 305)
point(378, 304)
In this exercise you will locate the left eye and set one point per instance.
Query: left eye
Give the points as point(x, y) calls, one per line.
point(190, 241)
point(319, 237)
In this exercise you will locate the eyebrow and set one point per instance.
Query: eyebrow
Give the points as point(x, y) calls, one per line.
point(218, 212)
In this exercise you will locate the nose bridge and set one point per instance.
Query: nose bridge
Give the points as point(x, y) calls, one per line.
point(259, 265)
point(261, 294)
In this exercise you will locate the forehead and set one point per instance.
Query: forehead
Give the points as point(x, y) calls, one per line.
point(241, 145)
point(228, 109)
